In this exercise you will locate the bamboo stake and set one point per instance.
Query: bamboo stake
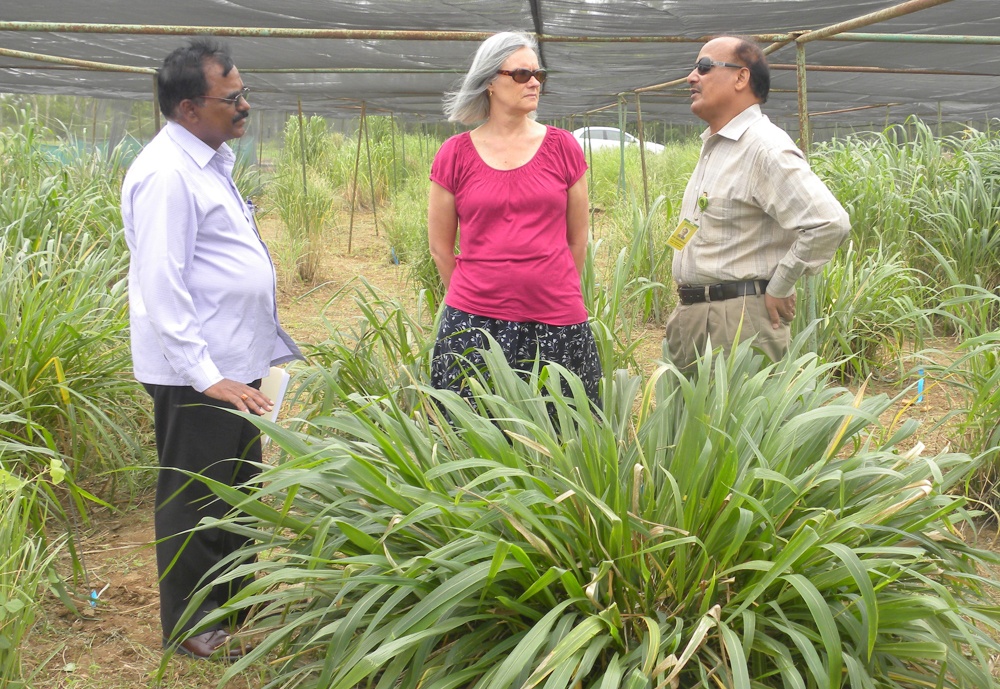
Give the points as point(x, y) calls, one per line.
point(805, 137)
point(642, 153)
point(622, 114)
point(371, 176)
point(354, 181)
point(589, 147)
point(156, 104)
point(392, 133)
point(800, 75)
point(302, 147)
point(93, 133)
point(260, 138)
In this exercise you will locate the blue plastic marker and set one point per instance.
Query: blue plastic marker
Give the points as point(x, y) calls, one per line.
point(920, 386)
point(95, 596)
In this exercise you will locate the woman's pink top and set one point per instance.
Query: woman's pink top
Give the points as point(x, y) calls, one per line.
point(514, 262)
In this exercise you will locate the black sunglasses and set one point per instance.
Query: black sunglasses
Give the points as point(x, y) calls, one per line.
point(523, 76)
point(233, 100)
point(705, 65)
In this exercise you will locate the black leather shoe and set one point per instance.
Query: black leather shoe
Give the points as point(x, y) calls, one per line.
point(217, 644)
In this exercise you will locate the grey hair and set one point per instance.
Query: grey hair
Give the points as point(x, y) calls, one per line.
point(470, 103)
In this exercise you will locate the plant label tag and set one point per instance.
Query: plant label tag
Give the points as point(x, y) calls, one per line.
point(679, 238)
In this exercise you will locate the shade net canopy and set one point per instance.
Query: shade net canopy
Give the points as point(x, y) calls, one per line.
point(596, 52)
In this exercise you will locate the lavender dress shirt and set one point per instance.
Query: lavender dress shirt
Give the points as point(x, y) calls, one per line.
point(201, 282)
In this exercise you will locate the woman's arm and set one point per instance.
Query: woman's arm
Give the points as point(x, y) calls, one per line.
point(578, 222)
point(442, 226)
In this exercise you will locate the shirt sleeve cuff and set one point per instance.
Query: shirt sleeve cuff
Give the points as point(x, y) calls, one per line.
point(780, 287)
point(204, 375)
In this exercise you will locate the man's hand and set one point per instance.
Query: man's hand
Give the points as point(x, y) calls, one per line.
point(243, 397)
point(779, 309)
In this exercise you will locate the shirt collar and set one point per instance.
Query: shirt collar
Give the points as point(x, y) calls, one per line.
point(199, 151)
point(735, 127)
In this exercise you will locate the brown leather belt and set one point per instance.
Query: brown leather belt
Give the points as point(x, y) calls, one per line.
point(696, 294)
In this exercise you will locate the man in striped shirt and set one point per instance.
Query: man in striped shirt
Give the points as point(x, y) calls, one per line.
point(754, 217)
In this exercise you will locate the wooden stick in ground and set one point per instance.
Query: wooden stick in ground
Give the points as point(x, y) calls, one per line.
point(354, 183)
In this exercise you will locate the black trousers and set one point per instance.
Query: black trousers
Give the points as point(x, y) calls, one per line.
point(213, 442)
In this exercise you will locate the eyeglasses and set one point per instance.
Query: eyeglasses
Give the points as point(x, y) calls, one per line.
point(233, 100)
point(523, 76)
point(705, 65)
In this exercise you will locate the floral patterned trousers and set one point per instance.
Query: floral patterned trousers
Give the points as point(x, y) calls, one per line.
point(461, 336)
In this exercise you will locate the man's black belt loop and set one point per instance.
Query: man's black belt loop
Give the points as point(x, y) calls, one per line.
point(697, 294)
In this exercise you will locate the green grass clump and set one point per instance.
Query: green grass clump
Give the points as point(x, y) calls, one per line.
point(405, 224)
point(873, 310)
point(26, 563)
point(65, 366)
point(932, 200)
point(925, 250)
point(306, 209)
point(69, 405)
point(745, 530)
point(385, 350)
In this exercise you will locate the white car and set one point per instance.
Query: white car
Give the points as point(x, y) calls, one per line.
point(596, 138)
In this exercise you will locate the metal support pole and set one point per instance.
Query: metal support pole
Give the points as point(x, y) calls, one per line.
point(350, 34)
point(71, 62)
point(861, 69)
point(868, 19)
point(839, 111)
point(915, 38)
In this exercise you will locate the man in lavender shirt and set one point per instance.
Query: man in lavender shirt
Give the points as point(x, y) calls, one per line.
point(204, 328)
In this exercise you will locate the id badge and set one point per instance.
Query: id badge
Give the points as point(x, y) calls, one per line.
point(679, 238)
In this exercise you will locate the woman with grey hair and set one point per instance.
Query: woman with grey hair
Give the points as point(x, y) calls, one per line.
point(518, 191)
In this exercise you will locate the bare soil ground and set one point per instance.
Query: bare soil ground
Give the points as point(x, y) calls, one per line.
point(118, 643)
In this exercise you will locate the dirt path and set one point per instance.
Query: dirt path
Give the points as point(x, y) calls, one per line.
point(118, 643)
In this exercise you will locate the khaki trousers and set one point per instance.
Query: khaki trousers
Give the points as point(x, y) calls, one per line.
point(725, 322)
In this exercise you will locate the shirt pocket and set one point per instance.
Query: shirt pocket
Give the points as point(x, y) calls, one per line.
point(717, 224)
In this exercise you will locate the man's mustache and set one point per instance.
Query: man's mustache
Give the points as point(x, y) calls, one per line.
point(241, 116)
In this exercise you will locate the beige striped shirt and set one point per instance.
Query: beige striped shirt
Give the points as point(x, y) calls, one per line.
point(765, 214)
